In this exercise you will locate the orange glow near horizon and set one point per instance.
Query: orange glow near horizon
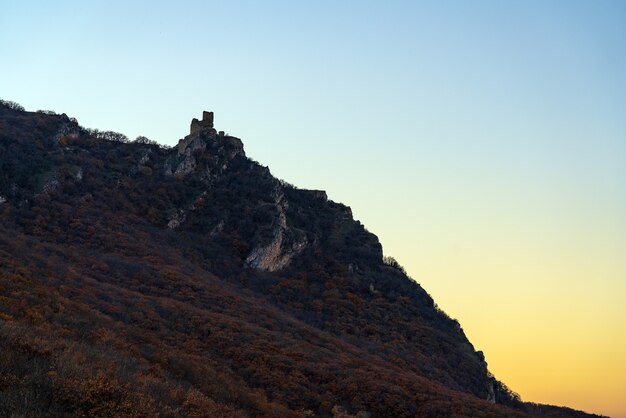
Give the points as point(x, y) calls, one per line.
point(548, 311)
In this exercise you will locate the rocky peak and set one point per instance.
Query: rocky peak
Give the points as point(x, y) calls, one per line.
point(204, 139)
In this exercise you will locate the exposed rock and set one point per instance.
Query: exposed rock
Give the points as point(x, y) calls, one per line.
point(189, 144)
point(204, 139)
point(2, 200)
point(218, 228)
point(235, 145)
point(67, 132)
point(373, 291)
point(491, 395)
point(186, 166)
point(180, 215)
point(176, 220)
point(279, 252)
point(49, 187)
point(144, 158)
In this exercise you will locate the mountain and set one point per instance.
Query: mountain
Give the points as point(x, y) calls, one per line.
point(141, 280)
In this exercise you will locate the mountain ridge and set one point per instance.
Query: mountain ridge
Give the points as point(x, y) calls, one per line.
point(195, 258)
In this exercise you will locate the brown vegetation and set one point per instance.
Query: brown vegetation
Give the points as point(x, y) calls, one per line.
point(107, 309)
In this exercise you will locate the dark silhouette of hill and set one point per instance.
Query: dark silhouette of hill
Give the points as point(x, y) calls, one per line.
point(139, 280)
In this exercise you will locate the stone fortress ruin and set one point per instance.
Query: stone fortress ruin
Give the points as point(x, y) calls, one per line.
point(198, 125)
point(206, 124)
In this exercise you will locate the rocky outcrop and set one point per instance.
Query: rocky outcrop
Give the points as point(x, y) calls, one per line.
point(186, 166)
point(491, 393)
point(67, 132)
point(49, 187)
point(178, 216)
point(283, 247)
point(145, 157)
point(176, 219)
point(186, 148)
point(203, 139)
point(190, 143)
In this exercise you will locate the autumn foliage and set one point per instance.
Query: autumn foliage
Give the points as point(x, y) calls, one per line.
point(106, 309)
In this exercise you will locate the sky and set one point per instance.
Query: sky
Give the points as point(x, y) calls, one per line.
point(483, 142)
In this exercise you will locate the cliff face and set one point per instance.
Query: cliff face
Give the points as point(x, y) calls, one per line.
point(194, 280)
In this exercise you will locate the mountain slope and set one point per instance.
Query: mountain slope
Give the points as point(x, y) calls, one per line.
point(141, 280)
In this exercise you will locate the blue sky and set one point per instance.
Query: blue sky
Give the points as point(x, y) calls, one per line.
point(484, 142)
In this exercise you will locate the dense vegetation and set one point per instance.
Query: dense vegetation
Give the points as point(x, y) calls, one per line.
point(125, 291)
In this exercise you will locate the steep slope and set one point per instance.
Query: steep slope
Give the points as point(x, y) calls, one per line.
point(136, 279)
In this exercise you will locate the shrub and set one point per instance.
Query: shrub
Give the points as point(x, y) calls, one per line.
point(12, 105)
point(392, 262)
point(108, 135)
point(146, 141)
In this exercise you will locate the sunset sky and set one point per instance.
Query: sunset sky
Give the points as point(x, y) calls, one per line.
point(483, 142)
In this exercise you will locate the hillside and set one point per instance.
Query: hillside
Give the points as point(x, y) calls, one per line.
point(139, 280)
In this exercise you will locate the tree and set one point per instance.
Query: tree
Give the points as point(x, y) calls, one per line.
point(12, 105)
point(146, 141)
point(392, 262)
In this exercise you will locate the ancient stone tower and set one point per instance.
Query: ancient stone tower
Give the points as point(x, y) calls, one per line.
point(198, 125)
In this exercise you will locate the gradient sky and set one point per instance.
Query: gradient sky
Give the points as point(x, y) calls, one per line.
point(483, 142)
